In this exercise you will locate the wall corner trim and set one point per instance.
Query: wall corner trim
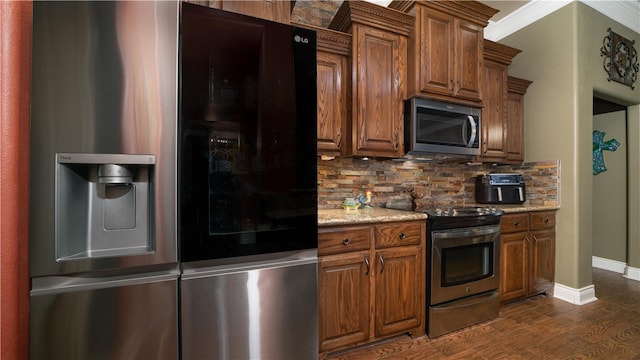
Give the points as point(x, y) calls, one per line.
point(632, 273)
point(574, 296)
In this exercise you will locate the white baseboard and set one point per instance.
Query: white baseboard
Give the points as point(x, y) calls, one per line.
point(616, 266)
point(632, 273)
point(607, 264)
point(575, 296)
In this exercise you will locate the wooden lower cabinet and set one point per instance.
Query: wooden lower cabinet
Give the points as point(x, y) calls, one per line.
point(527, 254)
point(397, 302)
point(371, 282)
point(343, 282)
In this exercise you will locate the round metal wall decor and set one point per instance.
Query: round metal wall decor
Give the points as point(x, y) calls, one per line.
point(620, 59)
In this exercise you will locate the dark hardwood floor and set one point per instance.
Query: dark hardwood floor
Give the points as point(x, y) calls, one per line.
point(541, 327)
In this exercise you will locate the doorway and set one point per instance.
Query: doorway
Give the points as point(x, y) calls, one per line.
point(610, 187)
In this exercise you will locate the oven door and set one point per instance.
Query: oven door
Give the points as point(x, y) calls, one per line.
point(464, 262)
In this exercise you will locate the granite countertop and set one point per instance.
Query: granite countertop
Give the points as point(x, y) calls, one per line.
point(524, 208)
point(366, 216)
point(328, 217)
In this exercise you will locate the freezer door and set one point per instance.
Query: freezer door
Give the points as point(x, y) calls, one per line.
point(264, 311)
point(115, 318)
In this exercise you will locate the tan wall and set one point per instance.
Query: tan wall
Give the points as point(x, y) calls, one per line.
point(610, 191)
point(561, 55)
point(633, 170)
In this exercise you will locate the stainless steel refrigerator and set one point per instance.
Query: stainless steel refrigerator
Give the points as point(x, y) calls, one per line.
point(103, 235)
point(173, 184)
point(247, 188)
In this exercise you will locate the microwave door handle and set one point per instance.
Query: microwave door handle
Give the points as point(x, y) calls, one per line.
point(474, 130)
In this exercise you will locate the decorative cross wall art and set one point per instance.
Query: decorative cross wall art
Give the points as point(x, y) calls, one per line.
point(620, 59)
point(598, 146)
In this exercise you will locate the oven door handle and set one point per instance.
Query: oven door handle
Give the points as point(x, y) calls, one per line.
point(466, 232)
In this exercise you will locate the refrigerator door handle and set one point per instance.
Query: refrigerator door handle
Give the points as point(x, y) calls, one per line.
point(295, 258)
point(61, 284)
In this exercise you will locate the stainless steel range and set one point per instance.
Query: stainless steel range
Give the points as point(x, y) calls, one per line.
point(463, 253)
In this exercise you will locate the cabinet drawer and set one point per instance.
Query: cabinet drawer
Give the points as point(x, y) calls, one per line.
point(514, 223)
point(543, 220)
point(398, 234)
point(337, 240)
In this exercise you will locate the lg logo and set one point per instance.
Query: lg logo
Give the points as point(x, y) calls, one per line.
point(299, 39)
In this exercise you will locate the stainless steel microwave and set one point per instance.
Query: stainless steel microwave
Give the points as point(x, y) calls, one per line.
point(436, 127)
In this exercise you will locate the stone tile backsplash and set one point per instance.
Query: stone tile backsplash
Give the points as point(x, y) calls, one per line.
point(445, 183)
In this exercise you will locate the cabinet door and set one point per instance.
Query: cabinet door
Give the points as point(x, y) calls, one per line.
point(436, 52)
point(399, 288)
point(379, 63)
point(515, 128)
point(344, 299)
point(494, 112)
point(542, 260)
point(516, 88)
point(332, 81)
point(514, 265)
point(468, 60)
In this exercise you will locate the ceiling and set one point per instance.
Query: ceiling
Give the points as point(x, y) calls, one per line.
point(515, 14)
point(504, 7)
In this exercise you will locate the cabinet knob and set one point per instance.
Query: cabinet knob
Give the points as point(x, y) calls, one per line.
point(402, 236)
point(546, 220)
point(345, 242)
point(517, 223)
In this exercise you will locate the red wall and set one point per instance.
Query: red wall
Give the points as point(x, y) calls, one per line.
point(15, 80)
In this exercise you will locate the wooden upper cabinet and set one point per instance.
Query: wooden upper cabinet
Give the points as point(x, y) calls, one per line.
point(275, 10)
point(516, 88)
point(494, 131)
point(468, 60)
point(333, 92)
point(445, 48)
point(436, 73)
point(378, 72)
point(494, 113)
point(333, 87)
